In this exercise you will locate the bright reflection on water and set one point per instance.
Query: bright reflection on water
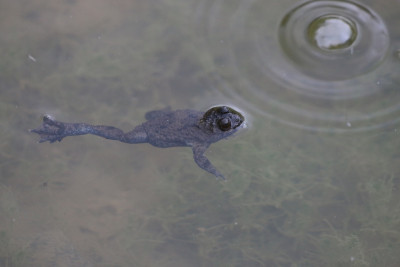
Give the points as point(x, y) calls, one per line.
point(332, 32)
point(313, 181)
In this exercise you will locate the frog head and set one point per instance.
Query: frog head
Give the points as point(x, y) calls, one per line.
point(221, 119)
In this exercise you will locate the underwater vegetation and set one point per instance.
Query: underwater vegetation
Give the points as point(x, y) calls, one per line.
point(10, 255)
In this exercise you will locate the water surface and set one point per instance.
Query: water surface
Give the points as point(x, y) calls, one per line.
point(313, 181)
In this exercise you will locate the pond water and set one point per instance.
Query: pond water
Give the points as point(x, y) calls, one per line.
point(312, 181)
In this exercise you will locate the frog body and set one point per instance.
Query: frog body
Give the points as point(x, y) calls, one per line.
point(162, 128)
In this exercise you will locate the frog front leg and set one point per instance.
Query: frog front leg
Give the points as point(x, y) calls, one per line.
point(52, 130)
point(203, 162)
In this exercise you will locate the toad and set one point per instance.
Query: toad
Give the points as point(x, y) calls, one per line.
point(162, 128)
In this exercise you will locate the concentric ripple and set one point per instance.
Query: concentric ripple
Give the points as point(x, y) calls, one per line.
point(320, 65)
point(322, 36)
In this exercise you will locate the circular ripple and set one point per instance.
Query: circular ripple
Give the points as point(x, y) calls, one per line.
point(321, 65)
point(322, 36)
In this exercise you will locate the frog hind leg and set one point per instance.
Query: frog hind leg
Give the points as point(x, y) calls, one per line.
point(136, 136)
point(52, 130)
point(203, 162)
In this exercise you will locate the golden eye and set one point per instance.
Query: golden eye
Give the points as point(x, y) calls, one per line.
point(224, 124)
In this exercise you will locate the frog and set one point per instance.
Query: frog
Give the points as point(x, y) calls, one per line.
point(163, 128)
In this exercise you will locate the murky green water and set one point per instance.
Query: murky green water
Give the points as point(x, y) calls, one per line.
point(313, 181)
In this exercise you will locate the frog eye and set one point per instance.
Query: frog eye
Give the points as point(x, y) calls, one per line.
point(224, 124)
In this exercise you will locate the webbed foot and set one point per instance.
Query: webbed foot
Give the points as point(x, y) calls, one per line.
point(51, 130)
